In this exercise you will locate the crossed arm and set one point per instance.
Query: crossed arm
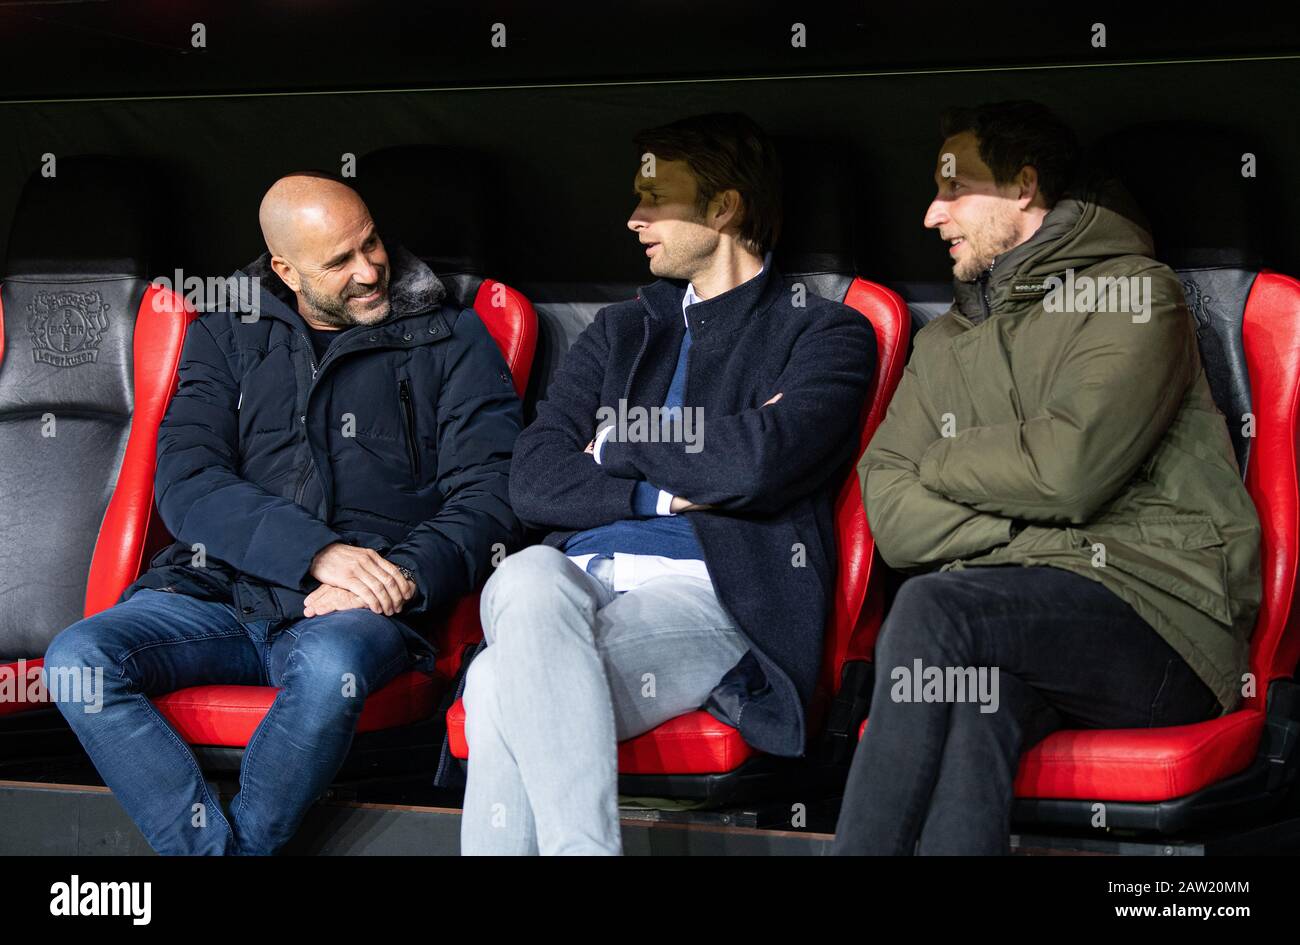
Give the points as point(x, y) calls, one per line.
point(932, 499)
point(757, 460)
point(1116, 392)
point(654, 497)
point(914, 525)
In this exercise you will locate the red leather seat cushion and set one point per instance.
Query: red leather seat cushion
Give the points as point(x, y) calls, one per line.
point(17, 674)
point(1140, 765)
point(695, 743)
point(228, 715)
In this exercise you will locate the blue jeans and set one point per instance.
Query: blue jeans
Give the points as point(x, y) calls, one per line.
point(571, 669)
point(157, 642)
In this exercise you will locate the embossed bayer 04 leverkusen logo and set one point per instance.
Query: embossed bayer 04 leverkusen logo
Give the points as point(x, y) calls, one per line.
point(67, 327)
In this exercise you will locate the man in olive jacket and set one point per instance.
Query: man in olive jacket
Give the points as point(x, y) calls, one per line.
point(1054, 458)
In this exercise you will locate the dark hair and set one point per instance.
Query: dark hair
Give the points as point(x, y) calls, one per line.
point(726, 151)
point(1012, 135)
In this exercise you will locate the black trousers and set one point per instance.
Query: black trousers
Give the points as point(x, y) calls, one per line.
point(935, 776)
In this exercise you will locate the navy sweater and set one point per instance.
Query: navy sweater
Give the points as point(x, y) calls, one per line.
point(770, 472)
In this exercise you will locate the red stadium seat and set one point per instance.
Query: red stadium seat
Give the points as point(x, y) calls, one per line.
point(1172, 780)
point(90, 347)
point(1226, 761)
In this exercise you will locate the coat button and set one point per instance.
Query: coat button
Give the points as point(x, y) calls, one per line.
point(248, 610)
point(407, 337)
point(433, 329)
point(373, 338)
point(303, 419)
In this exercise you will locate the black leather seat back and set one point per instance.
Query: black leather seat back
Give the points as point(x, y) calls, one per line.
point(822, 214)
point(1207, 221)
point(73, 283)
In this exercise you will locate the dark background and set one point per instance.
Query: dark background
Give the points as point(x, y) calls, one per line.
point(282, 86)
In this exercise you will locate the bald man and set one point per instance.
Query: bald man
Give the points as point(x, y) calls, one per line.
point(335, 473)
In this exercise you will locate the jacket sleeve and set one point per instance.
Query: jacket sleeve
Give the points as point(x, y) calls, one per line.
point(554, 484)
point(201, 496)
point(915, 527)
point(1116, 392)
point(479, 418)
point(763, 458)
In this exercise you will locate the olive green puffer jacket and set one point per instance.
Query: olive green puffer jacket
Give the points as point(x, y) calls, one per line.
point(1086, 440)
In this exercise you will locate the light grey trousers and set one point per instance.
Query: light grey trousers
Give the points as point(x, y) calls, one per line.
point(571, 669)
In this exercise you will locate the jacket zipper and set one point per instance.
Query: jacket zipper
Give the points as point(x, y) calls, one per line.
point(408, 409)
point(984, 291)
point(302, 484)
point(311, 355)
point(311, 466)
point(311, 460)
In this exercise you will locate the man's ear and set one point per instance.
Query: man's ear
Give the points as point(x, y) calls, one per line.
point(288, 275)
point(728, 209)
point(1027, 186)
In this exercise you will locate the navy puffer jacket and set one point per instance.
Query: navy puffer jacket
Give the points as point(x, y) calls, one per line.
point(399, 440)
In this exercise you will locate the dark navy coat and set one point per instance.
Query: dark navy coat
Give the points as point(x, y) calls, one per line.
point(399, 440)
point(770, 473)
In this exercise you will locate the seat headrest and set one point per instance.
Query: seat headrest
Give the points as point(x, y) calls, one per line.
point(97, 215)
point(1187, 178)
point(437, 202)
point(820, 206)
point(1208, 224)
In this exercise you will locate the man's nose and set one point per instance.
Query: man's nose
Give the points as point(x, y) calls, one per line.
point(365, 273)
point(636, 223)
point(936, 214)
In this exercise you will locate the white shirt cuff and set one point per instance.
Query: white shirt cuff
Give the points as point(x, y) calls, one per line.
point(600, 441)
point(665, 504)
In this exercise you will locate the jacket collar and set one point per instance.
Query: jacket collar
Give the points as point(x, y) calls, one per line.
point(1094, 220)
point(720, 315)
point(413, 289)
point(1058, 222)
